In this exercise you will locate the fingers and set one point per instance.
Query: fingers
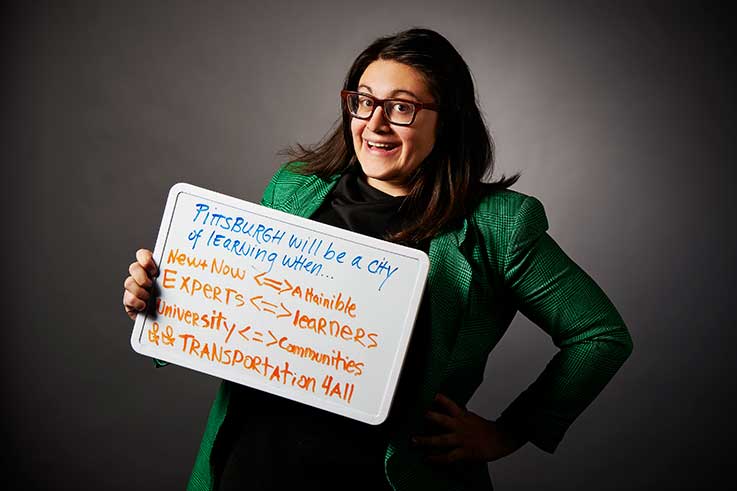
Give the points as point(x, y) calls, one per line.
point(132, 304)
point(469, 436)
point(443, 420)
point(146, 259)
point(137, 291)
point(132, 313)
point(136, 285)
point(140, 275)
point(449, 406)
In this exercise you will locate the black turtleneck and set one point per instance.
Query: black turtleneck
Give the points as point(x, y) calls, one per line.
point(268, 442)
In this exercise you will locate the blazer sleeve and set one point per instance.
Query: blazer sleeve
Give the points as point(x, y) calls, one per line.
point(557, 295)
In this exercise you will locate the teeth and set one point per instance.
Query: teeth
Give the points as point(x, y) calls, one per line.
point(379, 145)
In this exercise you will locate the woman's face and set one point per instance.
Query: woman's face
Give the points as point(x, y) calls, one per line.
point(387, 169)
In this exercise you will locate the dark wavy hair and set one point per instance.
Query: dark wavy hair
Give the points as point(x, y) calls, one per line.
point(448, 184)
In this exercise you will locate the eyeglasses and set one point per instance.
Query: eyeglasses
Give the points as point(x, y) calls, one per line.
point(398, 111)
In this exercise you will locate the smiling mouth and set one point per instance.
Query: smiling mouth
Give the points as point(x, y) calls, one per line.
point(384, 147)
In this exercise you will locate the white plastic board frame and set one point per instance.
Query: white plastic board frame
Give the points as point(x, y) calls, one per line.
point(287, 305)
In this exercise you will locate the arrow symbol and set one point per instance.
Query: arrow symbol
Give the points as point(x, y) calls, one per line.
point(270, 307)
point(272, 283)
point(268, 304)
point(289, 287)
point(243, 331)
point(258, 278)
point(253, 302)
point(286, 313)
point(276, 285)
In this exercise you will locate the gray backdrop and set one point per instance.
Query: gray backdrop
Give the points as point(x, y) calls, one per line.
point(618, 118)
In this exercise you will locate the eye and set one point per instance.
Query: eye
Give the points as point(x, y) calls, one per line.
point(364, 101)
point(402, 107)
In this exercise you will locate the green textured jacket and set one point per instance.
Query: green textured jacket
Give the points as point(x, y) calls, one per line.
point(500, 260)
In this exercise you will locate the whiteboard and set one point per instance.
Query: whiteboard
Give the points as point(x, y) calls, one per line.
point(281, 303)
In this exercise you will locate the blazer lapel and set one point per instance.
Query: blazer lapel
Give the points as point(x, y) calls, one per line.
point(305, 200)
point(449, 280)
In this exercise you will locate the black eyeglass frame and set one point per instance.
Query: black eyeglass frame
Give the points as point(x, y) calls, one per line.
point(419, 106)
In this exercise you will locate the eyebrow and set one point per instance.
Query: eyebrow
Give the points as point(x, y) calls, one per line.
point(392, 93)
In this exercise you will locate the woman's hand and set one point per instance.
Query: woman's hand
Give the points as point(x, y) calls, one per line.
point(138, 284)
point(468, 437)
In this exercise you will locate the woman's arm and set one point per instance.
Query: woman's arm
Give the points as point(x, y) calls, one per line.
point(557, 295)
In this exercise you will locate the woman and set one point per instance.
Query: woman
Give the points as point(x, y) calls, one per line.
point(406, 165)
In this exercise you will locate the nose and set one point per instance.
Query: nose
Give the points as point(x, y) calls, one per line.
point(378, 121)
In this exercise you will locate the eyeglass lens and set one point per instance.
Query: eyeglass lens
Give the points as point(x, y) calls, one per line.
point(398, 112)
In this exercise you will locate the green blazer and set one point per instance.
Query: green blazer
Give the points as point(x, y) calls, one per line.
point(500, 260)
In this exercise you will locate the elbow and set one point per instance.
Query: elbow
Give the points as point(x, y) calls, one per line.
point(624, 342)
point(614, 344)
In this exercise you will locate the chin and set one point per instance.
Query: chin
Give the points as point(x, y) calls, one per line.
point(375, 170)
